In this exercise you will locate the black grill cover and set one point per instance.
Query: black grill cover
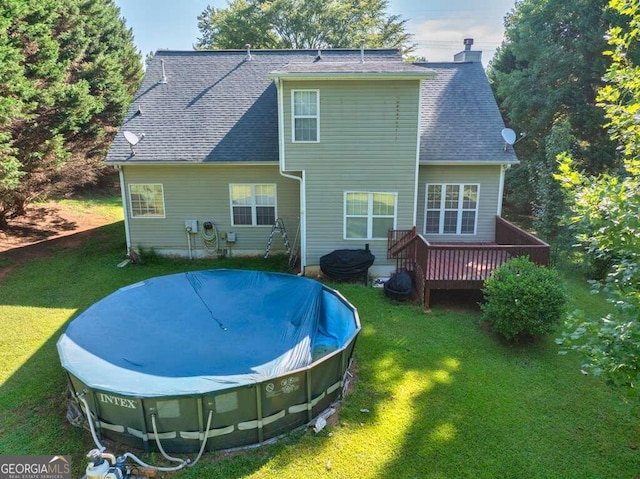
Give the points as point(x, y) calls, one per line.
point(344, 264)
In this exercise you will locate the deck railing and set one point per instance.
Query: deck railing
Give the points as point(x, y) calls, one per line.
point(400, 247)
point(509, 234)
point(460, 265)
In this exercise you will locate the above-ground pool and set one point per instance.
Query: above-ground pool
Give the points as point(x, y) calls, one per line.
point(251, 354)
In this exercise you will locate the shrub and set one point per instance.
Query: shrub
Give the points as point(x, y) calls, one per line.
point(523, 299)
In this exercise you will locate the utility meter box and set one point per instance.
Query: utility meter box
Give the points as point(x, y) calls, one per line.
point(231, 237)
point(191, 226)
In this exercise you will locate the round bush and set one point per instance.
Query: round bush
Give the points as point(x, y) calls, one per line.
point(523, 299)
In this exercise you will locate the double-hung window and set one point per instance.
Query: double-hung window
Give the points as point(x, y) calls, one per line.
point(451, 209)
point(146, 200)
point(305, 115)
point(369, 215)
point(253, 204)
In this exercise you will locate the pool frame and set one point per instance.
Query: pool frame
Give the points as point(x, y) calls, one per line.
point(240, 416)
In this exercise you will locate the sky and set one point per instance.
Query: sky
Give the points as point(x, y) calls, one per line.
point(438, 26)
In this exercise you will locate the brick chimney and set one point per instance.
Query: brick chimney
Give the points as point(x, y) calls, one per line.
point(468, 55)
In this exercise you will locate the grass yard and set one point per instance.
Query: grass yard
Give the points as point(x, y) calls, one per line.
point(107, 206)
point(445, 398)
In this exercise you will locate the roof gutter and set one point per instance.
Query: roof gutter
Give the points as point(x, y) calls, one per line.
point(190, 163)
point(467, 163)
point(303, 76)
point(301, 179)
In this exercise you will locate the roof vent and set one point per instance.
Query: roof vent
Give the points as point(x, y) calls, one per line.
point(247, 47)
point(164, 77)
point(467, 44)
point(362, 50)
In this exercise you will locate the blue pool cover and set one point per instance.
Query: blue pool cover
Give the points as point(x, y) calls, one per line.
point(195, 332)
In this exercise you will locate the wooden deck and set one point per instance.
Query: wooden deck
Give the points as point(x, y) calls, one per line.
point(471, 264)
point(460, 265)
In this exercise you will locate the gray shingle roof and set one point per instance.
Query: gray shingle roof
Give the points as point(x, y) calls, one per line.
point(355, 67)
point(219, 107)
point(460, 118)
point(215, 107)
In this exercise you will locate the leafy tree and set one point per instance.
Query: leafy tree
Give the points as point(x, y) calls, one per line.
point(301, 24)
point(549, 206)
point(606, 219)
point(546, 76)
point(68, 70)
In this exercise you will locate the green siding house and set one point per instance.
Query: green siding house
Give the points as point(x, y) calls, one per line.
point(341, 145)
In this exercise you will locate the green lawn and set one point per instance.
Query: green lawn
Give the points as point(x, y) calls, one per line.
point(446, 399)
point(107, 206)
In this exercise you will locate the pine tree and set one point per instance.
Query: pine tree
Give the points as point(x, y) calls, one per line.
point(68, 70)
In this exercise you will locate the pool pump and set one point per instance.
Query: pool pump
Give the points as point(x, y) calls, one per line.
point(103, 465)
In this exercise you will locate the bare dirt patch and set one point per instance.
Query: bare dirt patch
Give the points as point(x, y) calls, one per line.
point(45, 227)
point(47, 221)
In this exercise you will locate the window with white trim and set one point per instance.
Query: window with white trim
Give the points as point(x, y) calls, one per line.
point(451, 209)
point(253, 204)
point(305, 116)
point(369, 215)
point(146, 200)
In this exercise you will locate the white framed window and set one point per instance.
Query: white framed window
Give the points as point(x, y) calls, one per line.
point(369, 215)
point(451, 208)
point(253, 204)
point(146, 200)
point(305, 116)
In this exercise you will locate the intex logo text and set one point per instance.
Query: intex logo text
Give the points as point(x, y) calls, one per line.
point(122, 402)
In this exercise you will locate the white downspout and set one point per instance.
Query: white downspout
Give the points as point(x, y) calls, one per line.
point(303, 196)
point(303, 222)
point(125, 207)
point(416, 186)
point(503, 168)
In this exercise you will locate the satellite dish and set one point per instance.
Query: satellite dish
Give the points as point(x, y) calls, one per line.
point(507, 133)
point(132, 139)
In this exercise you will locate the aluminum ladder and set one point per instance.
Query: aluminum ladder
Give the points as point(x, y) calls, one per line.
point(278, 227)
